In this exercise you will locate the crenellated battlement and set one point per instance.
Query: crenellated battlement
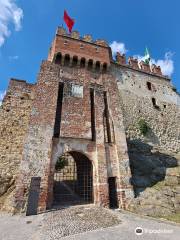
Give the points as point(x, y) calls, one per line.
point(133, 62)
point(140, 66)
point(120, 59)
point(76, 35)
point(73, 50)
point(70, 49)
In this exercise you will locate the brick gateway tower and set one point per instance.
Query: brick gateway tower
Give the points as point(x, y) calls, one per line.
point(75, 112)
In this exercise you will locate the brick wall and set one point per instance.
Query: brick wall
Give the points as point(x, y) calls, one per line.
point(40, 152)
point(81, 47)
point(14, 120)
point(37, 146)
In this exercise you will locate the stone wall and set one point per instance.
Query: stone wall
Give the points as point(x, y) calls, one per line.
point(156, 180)
point(14, 119)
point(136, 101)
point(153, 155)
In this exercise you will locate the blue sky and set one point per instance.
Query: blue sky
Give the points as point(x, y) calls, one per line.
point(28, 27)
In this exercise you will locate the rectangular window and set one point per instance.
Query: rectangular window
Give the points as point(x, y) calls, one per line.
point(149, 86)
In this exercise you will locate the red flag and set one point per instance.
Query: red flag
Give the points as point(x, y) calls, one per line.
point(69, 21)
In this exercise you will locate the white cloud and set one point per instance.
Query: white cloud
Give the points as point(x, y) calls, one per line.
point(139, 58)
point(118, 47)
point(2, 94)
point(11, 58)
point(166, 64)
point(10, 13)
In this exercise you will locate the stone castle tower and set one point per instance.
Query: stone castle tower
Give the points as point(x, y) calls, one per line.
point(84, 106)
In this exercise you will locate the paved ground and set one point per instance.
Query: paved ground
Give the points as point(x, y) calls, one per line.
point(77, 219)
point(152, 230)
point(19, 227)
point(85, 222)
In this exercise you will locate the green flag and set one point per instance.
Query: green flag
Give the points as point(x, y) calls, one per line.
point(147, 56)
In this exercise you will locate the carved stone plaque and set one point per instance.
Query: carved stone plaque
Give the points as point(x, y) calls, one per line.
point(77, 91)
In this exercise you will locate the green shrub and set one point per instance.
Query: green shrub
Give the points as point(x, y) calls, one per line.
point(143, 127)
point(61, 163)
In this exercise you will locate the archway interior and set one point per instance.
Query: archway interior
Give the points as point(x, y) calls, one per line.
point(73, 181)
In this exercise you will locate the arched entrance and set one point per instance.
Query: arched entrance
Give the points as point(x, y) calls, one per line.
point(73, 179)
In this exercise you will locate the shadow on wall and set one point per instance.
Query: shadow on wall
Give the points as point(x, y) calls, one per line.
point(147, 167)
point(152, 136)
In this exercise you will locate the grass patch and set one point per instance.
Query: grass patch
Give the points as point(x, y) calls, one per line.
point(173, 217)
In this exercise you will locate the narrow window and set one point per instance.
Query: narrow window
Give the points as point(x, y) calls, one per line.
point(107, 118)
point(154, 102)
point(93, 125)
point(149, 86)
point(57, 124)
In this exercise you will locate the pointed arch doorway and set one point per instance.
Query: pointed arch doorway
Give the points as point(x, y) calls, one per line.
point(73, 180)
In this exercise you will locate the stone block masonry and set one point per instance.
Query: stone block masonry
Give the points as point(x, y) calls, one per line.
point(154, 155)
point(153, 99)
point(14, 120)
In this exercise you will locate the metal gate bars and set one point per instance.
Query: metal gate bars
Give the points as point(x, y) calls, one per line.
point(73, 181)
